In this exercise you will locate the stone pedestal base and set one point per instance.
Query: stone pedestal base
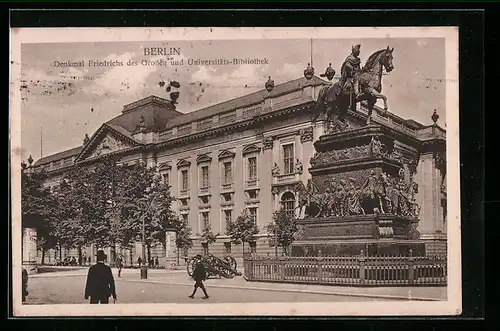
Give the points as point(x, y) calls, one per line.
point(369, 248)
point(436, 244)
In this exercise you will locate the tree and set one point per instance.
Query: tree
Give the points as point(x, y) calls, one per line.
point(282, 228)
point(107, 204)
point(243, 229)
point(207, 235)
point(183, 240)
point(141, 197)
point(85, 197)
point(38, 208)
point(75, 209)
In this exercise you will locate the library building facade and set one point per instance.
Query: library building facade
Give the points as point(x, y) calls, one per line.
point(247, 153)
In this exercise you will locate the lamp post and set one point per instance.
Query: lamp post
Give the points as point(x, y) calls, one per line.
point(144, 266)
point(275, 239)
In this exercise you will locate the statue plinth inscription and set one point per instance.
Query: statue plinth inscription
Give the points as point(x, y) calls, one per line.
point(359, 190)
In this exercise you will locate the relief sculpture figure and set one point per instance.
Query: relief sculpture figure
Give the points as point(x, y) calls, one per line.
point(353, 198)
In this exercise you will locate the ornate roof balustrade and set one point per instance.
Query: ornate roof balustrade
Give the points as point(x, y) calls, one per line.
point(245, 113)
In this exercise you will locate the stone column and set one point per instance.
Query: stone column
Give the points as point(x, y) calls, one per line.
point(430, 226)
point(215, 188)
point(29, 251)
point(173, 178)
point(265, 181)
point(239, 193)
point(319, 129)
point(194, 222)
point(170, 248)
point(306, 138)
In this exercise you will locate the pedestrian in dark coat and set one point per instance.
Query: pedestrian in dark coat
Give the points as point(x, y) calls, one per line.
point(100, 282)
point(199, 275)
point(25, 284)
point(119, 265)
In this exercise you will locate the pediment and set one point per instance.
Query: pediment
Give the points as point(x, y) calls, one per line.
point(203, 158)
point(250, 149)
point(106, 141)
point(183, 163)
point(164, 167)
point(225, 154)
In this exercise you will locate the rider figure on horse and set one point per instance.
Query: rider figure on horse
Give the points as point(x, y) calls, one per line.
point(349, 71)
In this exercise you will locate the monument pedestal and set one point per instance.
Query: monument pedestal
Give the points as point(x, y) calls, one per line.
point(385, 234)
point(360, 197)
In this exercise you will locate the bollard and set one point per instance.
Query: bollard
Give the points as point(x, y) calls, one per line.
point(144, 271)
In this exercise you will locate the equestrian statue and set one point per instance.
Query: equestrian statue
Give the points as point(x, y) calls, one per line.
point(356, 84)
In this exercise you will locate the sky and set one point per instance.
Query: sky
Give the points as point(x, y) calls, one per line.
point(60, 104)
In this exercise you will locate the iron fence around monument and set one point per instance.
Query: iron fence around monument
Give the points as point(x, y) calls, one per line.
point(348, 270)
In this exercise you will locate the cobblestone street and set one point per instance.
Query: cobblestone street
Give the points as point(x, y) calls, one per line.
point(174, 286)
point(69, 289)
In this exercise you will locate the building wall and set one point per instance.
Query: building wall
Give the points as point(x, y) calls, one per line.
point(266, 193)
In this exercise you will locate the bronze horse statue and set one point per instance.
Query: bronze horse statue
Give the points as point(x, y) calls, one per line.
point(338, 99)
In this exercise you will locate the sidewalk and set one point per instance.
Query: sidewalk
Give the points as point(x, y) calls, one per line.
point(433, 293)
point(179, 277)
point(79, 271)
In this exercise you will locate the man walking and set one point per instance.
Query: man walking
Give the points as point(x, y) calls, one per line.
point(119, 265)
point(100, 282)
point(199, 275)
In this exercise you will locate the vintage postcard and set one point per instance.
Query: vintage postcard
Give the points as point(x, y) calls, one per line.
point(235, 171)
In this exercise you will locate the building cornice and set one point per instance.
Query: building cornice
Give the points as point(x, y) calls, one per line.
point(236, 126)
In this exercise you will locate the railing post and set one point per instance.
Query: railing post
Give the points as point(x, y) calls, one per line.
point(411, 271)
point(320, 269)
point(249, 263)
point(361, 261)
point(282, 266)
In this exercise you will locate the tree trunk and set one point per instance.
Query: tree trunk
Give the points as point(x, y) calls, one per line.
point(243, 249)
point(178, 256)
point(80, 255)
point(149, 253)
point(43, 256)
point(60, 253)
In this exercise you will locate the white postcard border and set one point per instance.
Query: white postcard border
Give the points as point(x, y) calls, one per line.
point(453, 304)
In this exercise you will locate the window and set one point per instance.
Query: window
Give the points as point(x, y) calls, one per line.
point(185, 180)
point(252, 168)
point(288, 159)
point(252, 194)
point(227, 246)
point(228, 215)
point(228, 173)
point(166, 179)
point(253, 213)
point(227, 197)
point(288, 203)
point(253, 247)
point(205, 177)
point(205, 218)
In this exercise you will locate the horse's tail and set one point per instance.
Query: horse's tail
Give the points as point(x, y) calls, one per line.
point(320, 102)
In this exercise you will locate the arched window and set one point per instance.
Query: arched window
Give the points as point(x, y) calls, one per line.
point(288, 203)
